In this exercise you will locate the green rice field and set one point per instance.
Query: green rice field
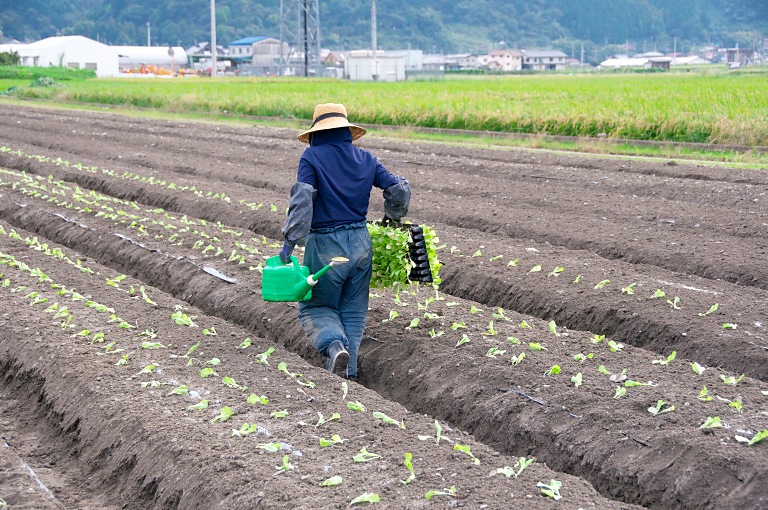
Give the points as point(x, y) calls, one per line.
point(728, 109)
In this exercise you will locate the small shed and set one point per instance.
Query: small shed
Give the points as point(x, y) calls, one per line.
point(73, 51)
point(361, 65)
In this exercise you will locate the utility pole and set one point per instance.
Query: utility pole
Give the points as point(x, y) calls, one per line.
point(213, 38)
point(374, 42)
point(148, 35)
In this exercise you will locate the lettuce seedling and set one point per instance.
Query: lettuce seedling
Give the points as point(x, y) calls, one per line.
point(478, 253)
point(493, 352)
point(615, 346)
point(179, 390)
point(365, 456)
point(596, 339)
point(704, 395)
point(445, 492)
point(525, 325)
point(660, 409)
point(438, 434)
point(556, 271)
point(270, 447)
point(577, 379)
point(712, 309)
point(535, 269)
point(254, 399)
point(464, 340)
point(245, 344)
point(225, 414)
point(207, 372)
point(554, 370)
point(414, 323)
point(283, 367)
point(322, 420)
point(210, 332)
point(551, 489)
point(757, 438)
point(513, 340)
point(335, 439)
point(435, 334)
point(490, 331)
point(356, 406)
point(674, 303)
point(286, 465)
point(262, 358)
point(466, 449)
point(632, 384)
point(698, 369)
point(152, 345)
point(602, 284)
point(390, 421)
point(183, 319)
point(658, 294)
point(366, 497)
point(245, 429)
point(580, 357)
point(276, 415)
point(497, 257)
point(737, 405)
point(577, 279)
point(536, 346)
point(457, 325)
point(147, 369)
point(553, 328)
point(667, 361)
point(629, 289)
point(620, 392)
point(409, 466)
point(332, 481)
point(512, 263)
point(473, 310)
point(203, 404)
point(516, 360)
point(344, 390)
point(603, 370)
point(712, 422)
point(729, 325)
point(730, 380)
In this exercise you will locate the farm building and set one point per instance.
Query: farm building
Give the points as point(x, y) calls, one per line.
point(505, 60)
point(159, 57)
point(548, 60)
point(362, 66)
point(73, 51)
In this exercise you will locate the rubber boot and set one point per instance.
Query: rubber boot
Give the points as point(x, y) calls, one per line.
point(338, 359)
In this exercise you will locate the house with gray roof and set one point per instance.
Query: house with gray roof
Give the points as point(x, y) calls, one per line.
point(543, 60)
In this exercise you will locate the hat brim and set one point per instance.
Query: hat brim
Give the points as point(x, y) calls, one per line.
point(333, 123)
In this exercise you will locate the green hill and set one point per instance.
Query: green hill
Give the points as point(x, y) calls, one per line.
point(456, 26)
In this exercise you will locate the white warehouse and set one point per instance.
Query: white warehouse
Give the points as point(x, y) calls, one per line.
point(73, 51)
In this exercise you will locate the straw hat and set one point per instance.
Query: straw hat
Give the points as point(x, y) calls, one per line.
point(331, 116)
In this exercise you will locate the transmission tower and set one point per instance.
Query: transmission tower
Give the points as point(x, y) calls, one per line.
point(300, 31)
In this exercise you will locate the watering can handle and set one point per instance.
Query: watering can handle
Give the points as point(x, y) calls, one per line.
point(296, 262)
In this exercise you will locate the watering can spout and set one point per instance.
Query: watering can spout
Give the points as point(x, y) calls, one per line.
point(303, 287)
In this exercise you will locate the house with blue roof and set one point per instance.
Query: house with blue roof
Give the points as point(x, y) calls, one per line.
point(259, 55)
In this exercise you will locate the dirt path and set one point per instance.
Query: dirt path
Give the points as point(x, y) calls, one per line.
point(698, 234)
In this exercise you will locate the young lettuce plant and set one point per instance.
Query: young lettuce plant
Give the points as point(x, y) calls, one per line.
point(365, 456)
point(697, 369)
point(464, 340)
point(335, 439)
point(660, 409)
point(466, 449)
point(409, 466)
point(712, 422)
point(731, 380)
point(366, 497)
point(704, 395)
point(757, 438)
point(438, 435)
point(225, 414)
point(445, 492)
point(390, 421)
point(254, 399)
point(602, 284)
point(323, 421)
point(712, 309)
point(521, 464)
point(551, 489)
point(332, 481)
point(666, 361)
point(556, 271)
point(262, 358)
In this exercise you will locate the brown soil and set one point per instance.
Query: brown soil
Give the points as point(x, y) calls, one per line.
point(97, 439)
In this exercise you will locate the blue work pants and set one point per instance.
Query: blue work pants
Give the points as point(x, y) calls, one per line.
point(339, 304)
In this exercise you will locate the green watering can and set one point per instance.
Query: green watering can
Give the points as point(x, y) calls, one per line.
point(291, 282)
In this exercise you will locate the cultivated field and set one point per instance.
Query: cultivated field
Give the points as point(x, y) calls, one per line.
point(725, 109)
point(606, 318)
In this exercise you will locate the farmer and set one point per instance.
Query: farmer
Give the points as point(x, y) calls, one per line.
point(327, 212)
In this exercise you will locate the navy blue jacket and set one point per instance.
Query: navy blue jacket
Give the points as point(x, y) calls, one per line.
point(334, 185)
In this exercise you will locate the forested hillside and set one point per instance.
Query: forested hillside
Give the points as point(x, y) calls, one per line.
point(430, 25)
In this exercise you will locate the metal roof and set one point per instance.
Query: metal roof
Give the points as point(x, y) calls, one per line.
point(543, 53)
point(247, 41)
